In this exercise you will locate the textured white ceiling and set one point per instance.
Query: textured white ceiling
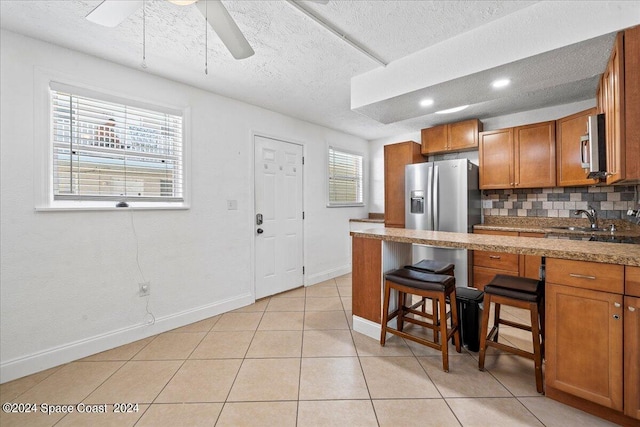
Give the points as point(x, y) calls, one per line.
point(299, 69)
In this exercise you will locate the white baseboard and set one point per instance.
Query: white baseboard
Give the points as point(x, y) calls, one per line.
point(371, 329)
point(366, 327)
point(326, 275)
point(66, 353)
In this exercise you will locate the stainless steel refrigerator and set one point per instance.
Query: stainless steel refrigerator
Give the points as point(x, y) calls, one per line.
point(443, 196)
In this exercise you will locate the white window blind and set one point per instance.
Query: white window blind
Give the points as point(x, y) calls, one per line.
point(105, 150)
point(345, 178)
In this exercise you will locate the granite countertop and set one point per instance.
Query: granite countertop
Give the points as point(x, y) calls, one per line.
point(546, 225)
point(613, 253)
point(374, 217)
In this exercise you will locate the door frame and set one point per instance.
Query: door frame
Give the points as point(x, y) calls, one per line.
point(252, 213)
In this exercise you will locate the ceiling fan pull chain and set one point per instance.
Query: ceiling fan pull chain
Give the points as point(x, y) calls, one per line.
point(206, 37)
point(144, 35)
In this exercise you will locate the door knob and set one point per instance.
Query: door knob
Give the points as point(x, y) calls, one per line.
point(260, 230)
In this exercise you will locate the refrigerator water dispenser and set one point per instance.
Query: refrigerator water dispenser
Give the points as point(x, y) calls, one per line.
point(417, 202)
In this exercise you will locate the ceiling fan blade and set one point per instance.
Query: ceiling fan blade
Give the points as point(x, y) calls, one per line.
point(226, 28)
point(110, 13)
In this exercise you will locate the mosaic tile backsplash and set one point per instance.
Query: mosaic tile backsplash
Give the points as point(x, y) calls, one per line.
point(611, 202)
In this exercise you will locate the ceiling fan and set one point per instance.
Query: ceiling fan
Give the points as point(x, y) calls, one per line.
point(110, 13)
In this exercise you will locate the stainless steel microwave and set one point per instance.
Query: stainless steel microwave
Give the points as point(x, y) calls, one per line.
point(593, 148)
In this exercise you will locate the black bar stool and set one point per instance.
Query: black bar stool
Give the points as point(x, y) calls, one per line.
point(517, 292)
point(435, 286)
point(433, 267)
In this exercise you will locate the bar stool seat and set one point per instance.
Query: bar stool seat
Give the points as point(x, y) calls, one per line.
point(433, 267)
point(434, 286)
point(518, 292)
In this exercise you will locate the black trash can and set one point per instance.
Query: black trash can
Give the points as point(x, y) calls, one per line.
point(469, 316)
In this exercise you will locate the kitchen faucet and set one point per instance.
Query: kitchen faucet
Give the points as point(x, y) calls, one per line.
point(591, 214)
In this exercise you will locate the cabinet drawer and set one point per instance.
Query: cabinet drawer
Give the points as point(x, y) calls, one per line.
point(497, 260)
point(584, 274)
point(482, 276)
point(632, 281)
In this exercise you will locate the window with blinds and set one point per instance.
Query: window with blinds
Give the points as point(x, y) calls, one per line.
point(106, 150)
point(345, 178)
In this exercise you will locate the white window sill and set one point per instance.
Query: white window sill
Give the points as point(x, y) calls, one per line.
point(347, 205)
point(110, 206)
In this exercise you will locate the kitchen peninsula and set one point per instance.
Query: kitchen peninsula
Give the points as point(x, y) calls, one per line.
point(600, 281)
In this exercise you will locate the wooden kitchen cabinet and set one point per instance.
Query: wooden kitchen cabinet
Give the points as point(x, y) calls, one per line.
point(569, 130)
point(632, 342)
point(584, 331)
point(520, 157)
point(632, 357)
point(487, 264)
point(618, 97)
point(460, 136)
point(496, 159)
point(530, 264)
point(396, 157)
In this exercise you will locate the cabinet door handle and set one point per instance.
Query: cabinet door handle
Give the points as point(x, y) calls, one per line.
point(494, 257)
point(582, 276)
point(632, 309)
point(616, 304)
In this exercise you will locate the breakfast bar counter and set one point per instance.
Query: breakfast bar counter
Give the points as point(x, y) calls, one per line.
point(592, 288)
point(611, 253)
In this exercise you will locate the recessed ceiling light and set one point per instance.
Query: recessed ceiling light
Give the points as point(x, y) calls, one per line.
point(501, 83)
point(452, 110)
point(426, 102)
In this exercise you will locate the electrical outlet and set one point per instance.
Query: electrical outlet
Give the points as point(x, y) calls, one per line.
point(144, 289)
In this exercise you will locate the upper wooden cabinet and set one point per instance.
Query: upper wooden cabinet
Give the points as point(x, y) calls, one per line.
point(618, 97)
point(520, 157)
point(396, 157)
point(460, 136)
point(569, 130)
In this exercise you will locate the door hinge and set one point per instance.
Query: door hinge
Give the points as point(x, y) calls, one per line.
point(302, 214)
point(303, 160)
point(303, 269)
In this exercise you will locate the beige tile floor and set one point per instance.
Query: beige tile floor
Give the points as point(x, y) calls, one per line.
point(292, 360)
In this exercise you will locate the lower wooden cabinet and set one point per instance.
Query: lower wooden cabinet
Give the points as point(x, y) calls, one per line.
point(584, 343)
point(632, 357)
point(487, 264)
point(632, 342)
point(592, 340)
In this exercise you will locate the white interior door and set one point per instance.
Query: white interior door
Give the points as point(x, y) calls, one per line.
point(278, 216)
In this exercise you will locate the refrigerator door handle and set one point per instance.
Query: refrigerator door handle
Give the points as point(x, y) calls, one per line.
point(429, 225)
point(436, 197)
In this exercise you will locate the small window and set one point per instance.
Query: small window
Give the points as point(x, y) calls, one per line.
point(106, 150)
point(345, 178)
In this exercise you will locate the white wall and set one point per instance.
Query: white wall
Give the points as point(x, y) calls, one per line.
point(376, 147)
point(69, 280)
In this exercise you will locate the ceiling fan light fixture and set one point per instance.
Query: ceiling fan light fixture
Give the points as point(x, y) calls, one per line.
point(183, 2)
point(452, 110)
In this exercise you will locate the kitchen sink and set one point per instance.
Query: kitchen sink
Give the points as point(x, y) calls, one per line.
point(583, 229)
